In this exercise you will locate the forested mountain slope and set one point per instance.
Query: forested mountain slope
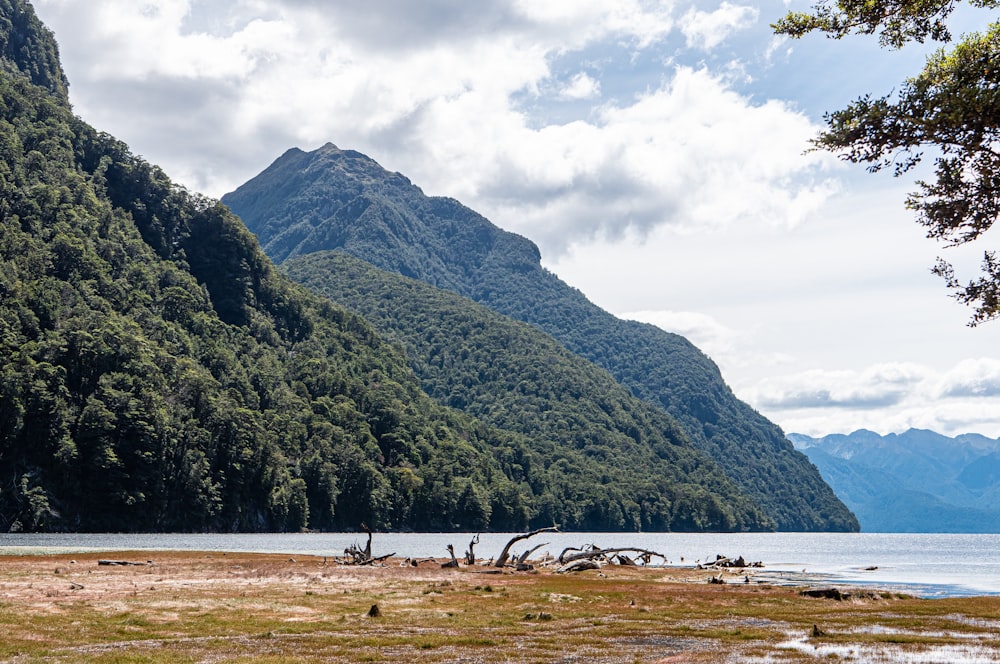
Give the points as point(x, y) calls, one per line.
point(157, 373)
point(336, 199)
point(633, 467)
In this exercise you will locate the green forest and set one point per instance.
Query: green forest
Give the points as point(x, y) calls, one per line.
point(340, 199)
point(157, 373)
point(628, 463)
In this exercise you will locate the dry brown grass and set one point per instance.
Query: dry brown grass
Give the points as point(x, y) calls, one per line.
point(198, 607)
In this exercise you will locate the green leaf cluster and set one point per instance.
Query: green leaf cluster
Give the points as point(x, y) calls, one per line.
point(335, 199)
point(896, 22)
point(951, 108)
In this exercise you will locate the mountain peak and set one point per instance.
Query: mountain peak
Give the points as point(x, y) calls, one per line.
point(343, 200)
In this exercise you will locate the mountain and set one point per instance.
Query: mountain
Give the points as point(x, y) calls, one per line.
point(917, 481)
point(633, 464)
point(158, 373)
point(27, 48)
point(340, 199)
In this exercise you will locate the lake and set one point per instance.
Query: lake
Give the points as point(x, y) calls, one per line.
point(928, 565)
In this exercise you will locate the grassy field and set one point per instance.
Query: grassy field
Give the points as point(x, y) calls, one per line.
point(201, 607)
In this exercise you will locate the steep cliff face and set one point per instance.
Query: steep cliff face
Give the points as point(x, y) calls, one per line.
point(336, 199)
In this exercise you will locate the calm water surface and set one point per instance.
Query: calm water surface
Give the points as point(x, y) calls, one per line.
point(929, 565)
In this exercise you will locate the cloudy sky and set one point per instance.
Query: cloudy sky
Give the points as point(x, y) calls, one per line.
point(656, 151)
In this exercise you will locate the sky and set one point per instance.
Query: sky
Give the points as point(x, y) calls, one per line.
point(656, 151)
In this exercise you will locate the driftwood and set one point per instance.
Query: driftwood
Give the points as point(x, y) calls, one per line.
point(505, 554)
point(579, 565)
point(414, 562)
point(729, 563)
point(523, 558)
point(454, 561)
point(122, 563)
point(361, 556)
point(364, 556)
point(840, 595)
point(470, 555)
point(377, 559)
point(595, 553)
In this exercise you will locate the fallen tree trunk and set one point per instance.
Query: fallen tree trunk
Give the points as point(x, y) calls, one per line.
point(579, 565)
point(724, 561)
point(378, 559)
point(505, 554)
point(524, 556)
point(591, 554)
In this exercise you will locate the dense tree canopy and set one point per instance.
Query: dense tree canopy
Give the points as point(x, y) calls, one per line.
point(157, 373)
point(341, 199)
point(627, 464)
point(951, 108)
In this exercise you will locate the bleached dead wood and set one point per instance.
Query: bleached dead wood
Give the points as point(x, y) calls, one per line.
point(726, 562)
point(470, 555)
point(523, 558)
point(360, 556)
point(579, 565)
point(454, 561)
point(505, 554)
point(605, 554)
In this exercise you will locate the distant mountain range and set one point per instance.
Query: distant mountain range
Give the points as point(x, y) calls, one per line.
point(332, 199)
point(918, 481)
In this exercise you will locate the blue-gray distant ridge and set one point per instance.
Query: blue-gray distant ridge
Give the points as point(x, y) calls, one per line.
point(915, 482)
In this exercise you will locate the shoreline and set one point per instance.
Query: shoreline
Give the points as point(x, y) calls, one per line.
point(229, 606)
point(759, 575)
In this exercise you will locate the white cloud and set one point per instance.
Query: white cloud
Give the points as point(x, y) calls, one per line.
point(877, 387)
point(690, 154)
point(777, 44)
point(889, 397)
point(581, 86)
point(213, 92)
point(574, 22)
point(706, 30)
point(972, 378)
point(704, 331)
point(728, 347)
point(150, 39)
